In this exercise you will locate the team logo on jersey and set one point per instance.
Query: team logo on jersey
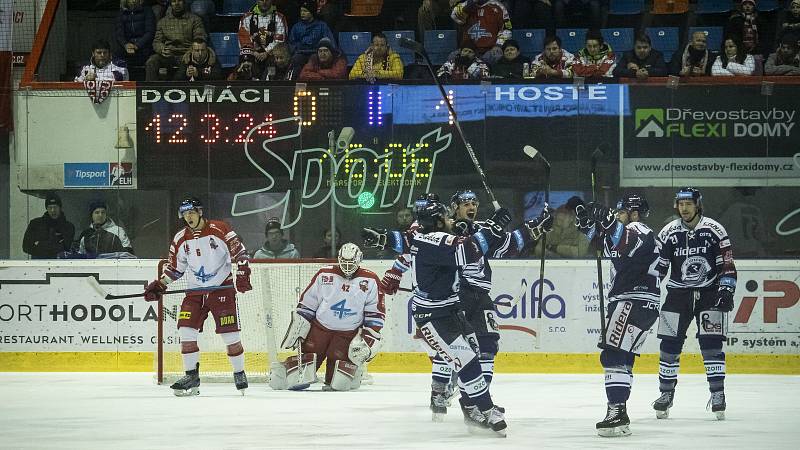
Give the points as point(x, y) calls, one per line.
point(227, 320)
point(327, 279)
point(184, 315)
point(477, 32)
point(341, 310)
point(202, 276)
point(212, 243)
point(363, 285)
point(695, 268)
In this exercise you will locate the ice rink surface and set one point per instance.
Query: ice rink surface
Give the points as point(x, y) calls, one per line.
point(126, 410)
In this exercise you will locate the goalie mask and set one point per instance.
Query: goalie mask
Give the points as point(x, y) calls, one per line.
point(349, 258)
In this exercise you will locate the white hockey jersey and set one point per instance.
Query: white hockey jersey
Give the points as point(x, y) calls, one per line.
point(343, 304)
point(205, 255)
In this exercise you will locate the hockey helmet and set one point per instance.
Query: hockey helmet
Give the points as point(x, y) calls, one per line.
point(349, 258)
point(428, 216)
point(634, 202)
point(188, 204)
point(463, 196)
point(422, 201)
point(689, 193)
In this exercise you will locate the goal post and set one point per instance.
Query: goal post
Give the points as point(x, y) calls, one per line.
point(264, 315)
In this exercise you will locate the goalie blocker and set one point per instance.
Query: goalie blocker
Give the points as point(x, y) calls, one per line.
point(337, 321)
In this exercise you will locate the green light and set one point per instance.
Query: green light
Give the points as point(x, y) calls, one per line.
point(366, 200)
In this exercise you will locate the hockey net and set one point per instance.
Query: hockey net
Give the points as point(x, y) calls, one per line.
point(264, 315)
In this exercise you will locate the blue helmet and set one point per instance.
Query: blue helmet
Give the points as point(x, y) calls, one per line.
point(463, 196)
point(430, 214)
point(689, 193)
point(188, 204)
point(423, 200)
point(634, 202)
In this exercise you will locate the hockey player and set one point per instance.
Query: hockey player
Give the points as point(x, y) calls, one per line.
point(632, 301)
point(437, 255)
point(700, 287)
point(204, 251)
point(338, 320)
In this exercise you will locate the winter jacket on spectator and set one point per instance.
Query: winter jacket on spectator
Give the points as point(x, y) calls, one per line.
point(177, 33)
point(45, 237)
point(136, 26)
point(313, 70)
point(287, 252)
point(455, 70)
point(600, 65)
point(510, 69)
point(261, 30)
point(208, 68)
point(305, 35)
point(106, 238)
point(391, 68)
point(733, 68)
point(564, 65)
point(654, 64)
point(777, 65)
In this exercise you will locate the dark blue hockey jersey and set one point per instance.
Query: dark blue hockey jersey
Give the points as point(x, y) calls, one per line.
point(634, 255)
point(479, 274)
point(699, 258)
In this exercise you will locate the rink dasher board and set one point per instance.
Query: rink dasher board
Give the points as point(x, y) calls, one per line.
point(51, 318)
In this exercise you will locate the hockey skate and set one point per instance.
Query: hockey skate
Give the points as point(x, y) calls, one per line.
point(189, 384)
point(439, 404)
point(616, 422)
point(663, 404)
point(240, 378)
point(717, 404)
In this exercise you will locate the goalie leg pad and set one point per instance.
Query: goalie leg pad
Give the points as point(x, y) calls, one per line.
point(346, 376)
point(288, 375)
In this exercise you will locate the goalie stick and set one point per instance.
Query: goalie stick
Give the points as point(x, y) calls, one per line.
point(95, 285)
point(533, 153)
point(419, 49)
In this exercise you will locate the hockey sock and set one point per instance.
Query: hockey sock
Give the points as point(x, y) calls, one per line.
point(475, 385)
point(668, 364)
point(488, 344)
point(714, 361)
point(190, 360)
point(440, 373)
point(487, 366)
point(237, 362)
point(618, 368)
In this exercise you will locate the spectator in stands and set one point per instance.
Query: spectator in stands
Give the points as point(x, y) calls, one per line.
point(785, 60)
point(404, 218)
point(733, 60)
point(174, 36)
point(554, 61)
point(434, 15)
point(327, 64)
point(245, 70)
point(262, 28)
point(103, 235)
point(276, 247)
point(512, 62)
point(378, 62)
point(199, 64)
point(532, 14)
point(596, 59)
point(51, 234)
point(565, 240)
point(325, 250)
point(279, 65)
point(590, 10)
point(745, 22)
point(101, 67)
point(789, 22)
point(463, 65)
point(306, 34)
point(641, 62)
point(694, 60)
point(486, 26)
point(133, 36)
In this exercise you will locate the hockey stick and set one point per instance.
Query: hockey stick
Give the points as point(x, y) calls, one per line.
point(419, 49)
point(95, 285)
point(533, 153)
point(597, 154)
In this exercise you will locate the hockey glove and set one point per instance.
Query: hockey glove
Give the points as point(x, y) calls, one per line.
point(154, 291)
point(498, 223)
point(582, 219)
point(541, 224)
point(603, 215)
point(390, 281)
point(724, 299)
point(374, 238)
point(243, 277)
point(464, 227)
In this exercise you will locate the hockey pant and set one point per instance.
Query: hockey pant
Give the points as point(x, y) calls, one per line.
point(680, 308)
point(446, 335)
point(627, 325)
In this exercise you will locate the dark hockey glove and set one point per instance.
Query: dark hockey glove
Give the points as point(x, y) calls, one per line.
point(390, 281)
point(724, 299)
point(603, 215)
point(154, 291)
point(498, 223)
point(243, 277)
point(582, 219)
point(374, 238)
point(464, 227)
point(541, 224)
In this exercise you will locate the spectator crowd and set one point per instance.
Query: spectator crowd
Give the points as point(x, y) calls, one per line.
point(297, 40)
